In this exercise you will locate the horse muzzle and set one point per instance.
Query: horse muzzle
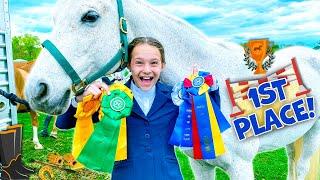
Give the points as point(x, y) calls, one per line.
point(44, 99)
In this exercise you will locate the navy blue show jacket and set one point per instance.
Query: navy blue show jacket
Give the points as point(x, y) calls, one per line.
point(150, 156)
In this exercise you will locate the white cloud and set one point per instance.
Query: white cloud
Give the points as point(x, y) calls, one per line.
point(40, 10)
point(33, 20)
point(186, 10)
point(277, 20)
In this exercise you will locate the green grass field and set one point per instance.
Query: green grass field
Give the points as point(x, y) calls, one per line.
point(267, 166)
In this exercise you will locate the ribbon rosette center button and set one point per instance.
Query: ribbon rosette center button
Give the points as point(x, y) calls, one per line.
point(198, 81)
point(117, 104)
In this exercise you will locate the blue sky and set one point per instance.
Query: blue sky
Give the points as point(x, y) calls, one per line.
point(283, 21)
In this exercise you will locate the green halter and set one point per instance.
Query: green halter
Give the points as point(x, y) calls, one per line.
point(79, 85)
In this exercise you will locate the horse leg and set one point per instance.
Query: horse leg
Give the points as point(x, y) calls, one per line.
point(201, 169)
point(293, 152)
point(241, 169)
point(54, 131)
point(44, 131)
point(314, 172)
point(311, 145)
point(35, 125)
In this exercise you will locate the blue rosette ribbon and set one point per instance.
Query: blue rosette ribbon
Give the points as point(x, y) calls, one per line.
point(200, 121)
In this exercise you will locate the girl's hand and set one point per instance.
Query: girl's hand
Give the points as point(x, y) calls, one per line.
point(95, 89)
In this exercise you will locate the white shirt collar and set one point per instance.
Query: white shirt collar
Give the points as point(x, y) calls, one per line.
point(143, 98)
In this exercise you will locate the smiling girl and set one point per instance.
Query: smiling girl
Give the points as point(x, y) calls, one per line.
point(152, 119)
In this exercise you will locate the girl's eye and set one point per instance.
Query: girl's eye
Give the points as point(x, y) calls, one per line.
point(155, 62)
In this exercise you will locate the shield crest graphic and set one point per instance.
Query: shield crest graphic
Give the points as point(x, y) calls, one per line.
point(258, 52)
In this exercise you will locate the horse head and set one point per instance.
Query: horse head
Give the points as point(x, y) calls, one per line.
point(87, 34)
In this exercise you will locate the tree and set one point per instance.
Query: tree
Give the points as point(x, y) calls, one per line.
point(275, 47)
point(26, 47)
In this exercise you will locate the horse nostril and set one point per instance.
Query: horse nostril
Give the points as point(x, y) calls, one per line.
point(42, 90)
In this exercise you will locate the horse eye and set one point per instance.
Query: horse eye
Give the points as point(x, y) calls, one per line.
point(90, 17)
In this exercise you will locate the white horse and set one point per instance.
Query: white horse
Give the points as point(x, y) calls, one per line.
point(88, 45)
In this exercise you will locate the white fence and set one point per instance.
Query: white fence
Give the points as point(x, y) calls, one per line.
point(8, 112)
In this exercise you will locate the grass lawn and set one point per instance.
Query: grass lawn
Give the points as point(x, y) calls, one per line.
point(267, 166)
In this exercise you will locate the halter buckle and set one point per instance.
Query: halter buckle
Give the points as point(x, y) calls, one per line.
point(79, 88)
point(122, 21)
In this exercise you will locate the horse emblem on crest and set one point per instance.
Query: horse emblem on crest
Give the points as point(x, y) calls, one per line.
point(256, 50)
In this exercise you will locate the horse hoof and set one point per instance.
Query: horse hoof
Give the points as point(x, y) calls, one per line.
point(54, 135)
point(38, 146)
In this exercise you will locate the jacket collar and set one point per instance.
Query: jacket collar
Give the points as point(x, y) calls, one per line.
point(161, 97)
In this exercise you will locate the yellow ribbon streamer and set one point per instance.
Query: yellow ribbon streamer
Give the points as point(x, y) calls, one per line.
point(121, 153)
point(215, 130)
point(84, 125)
point(204, 88)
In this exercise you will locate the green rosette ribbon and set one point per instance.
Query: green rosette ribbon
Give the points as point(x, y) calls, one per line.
point(99, 153)
point(117, 105)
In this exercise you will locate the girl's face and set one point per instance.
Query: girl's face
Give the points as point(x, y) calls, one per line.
point(145, 66)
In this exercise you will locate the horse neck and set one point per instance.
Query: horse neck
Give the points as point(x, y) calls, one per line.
point(144, 20)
